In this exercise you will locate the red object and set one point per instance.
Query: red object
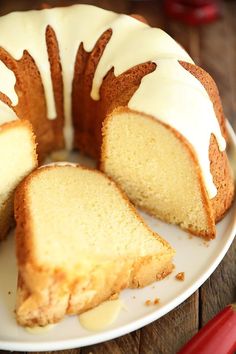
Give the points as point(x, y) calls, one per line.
point(193, 12)
point(218, 336)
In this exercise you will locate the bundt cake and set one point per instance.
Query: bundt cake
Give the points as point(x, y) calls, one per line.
point(79, 241)
point(17, 159)
point(69, 68)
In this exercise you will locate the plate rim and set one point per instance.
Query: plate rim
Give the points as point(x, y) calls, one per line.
point(100, 337)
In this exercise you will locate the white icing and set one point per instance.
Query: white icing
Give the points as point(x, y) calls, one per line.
point(101, 316)
point(132, 43)
point(6, 113)
point(71, 27)
point(7, 83)
point(174, 96)
point(26, 31)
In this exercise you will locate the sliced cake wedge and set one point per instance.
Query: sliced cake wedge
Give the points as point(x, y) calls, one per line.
point(159, 171)
point(17, 159)
point(79, 241)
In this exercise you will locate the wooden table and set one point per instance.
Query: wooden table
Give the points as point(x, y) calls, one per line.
point(213, 47)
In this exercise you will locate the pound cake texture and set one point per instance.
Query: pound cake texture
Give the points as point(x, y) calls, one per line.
point(18, 160)
point(79, 241)
point(158, 170)
point(66, 69)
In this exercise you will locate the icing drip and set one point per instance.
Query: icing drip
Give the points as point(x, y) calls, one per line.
point(26, 31)
point(6, 113)
point(68, 42)
point(177, 98)
point(7, 83)
point(132, 42)
point(71, 27)
point(140, 43)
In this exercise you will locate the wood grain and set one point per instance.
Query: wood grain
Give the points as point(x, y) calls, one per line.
point(123, 345)
point(151, 10)
point(68, 351)
point(220, 289)
point(230, 24)
point(216, 58)
point(168, 334)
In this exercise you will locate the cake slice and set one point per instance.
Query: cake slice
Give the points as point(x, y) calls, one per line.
point(17, 159)
point(79, 241)
point(159, 171)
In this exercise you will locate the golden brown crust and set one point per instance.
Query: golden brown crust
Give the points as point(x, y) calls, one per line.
point(219, 164)
point(139, 18)
point(18, 123)
point(57, 82)
point(7, 220)
point(33, 309)
point(211, 230)
point(31, 100)
point(116, 92)
point(88, 114)
point(209, 84)
point(23, 215)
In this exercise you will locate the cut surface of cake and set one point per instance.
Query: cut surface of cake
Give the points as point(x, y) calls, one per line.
point(79, 241)
point(158, 170)
point(17, 160)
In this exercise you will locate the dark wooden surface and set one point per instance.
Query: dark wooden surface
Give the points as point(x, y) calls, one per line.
point(213, 47)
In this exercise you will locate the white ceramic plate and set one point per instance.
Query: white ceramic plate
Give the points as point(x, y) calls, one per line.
point(195, 257)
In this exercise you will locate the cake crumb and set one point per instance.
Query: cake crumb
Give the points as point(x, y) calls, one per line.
point(134, 297)
point(190, 236)
point(180, 276)
point(9, 292)
point(149, 302)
